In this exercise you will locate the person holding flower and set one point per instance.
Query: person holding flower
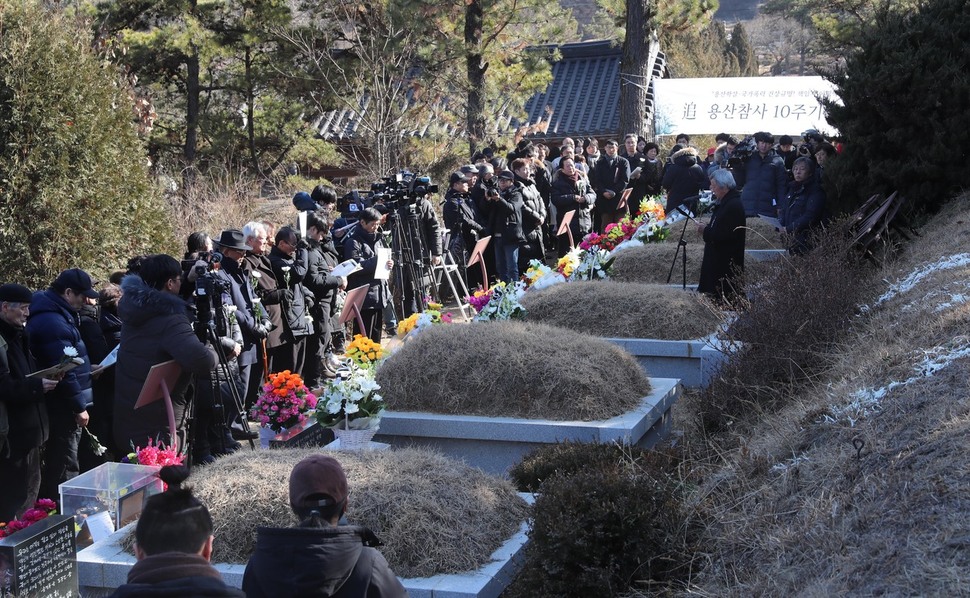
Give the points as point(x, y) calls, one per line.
point(321, 557)
point(54, 338)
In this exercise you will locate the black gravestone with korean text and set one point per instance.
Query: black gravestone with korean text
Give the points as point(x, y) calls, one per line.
point(41, 560)
point(309, 434)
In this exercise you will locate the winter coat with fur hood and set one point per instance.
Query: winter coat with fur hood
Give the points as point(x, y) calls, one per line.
point(155, 328)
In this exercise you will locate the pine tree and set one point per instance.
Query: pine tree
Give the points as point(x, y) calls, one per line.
point(740, 47)
point(74, 187)
point(903, 129)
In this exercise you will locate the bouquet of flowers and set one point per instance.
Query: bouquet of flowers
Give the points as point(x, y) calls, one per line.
point(284, 402)
point(503, 303)
point(480, 298)
point(352, 402)
point(540, 276)
point(419, 321)
point(364, 352)
point(42, 509)
point(592, 264)
point(156, 455)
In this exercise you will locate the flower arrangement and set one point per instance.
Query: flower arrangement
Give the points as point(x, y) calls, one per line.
point(592, 264)
point(540, 276)
point(42, 509)
point(352, 402)
point(652, 208)
point(156, 455)
point(417, 322)
point(567, 263)
point(480, 298)
point(363, 351)
point(284, 402)
point(503, 303)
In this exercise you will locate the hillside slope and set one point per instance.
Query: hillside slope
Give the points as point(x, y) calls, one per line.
point(861, 487)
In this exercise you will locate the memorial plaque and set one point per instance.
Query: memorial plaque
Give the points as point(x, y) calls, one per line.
point(41, 560)
point(309, 434)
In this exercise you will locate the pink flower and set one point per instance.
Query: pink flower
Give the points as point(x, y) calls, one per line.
point(46, 504)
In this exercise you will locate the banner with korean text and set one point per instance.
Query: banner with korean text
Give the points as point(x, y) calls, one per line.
point(741, 105)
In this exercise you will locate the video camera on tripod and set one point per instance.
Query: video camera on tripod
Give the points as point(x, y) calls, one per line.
point(209, 303)
point(403, 188)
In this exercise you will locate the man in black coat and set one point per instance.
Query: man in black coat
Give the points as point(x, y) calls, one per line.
point(21, 407)
point(289, 260)
point(723, 240)
point(609, 177)
point(321, 260)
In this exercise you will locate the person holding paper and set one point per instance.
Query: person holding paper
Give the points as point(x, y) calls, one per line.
point(321, 260)
point(22, 406)
point(363, 244)
point(155, 329)
point(52, 329)
point(723, 240)
point(289, 260)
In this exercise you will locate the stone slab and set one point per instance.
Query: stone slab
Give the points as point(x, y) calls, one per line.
point(496, 443)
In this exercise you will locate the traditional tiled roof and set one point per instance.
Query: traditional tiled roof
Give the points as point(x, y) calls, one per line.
point(582, 100)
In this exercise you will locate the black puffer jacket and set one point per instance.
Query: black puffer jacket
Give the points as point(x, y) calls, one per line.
point(361, 246)
point(289, 273)
point(683, 178)
point(312, 562)
point(155, 328)
point(51, 327)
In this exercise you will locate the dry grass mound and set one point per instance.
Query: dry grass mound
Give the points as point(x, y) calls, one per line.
point(623, 310)
point(761, 235)
point(434, 515)
point(512, 369)
point(650, 263)
point(858, 487)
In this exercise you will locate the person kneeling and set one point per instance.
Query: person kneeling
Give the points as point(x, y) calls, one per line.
point(173, 544)
point(320, 557)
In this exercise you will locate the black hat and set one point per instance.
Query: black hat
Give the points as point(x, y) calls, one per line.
point(15, 293)
point(507, 175)
point(458, 177)
point(785, 140)
point(232, 239)
point(469, 169)
point(77, 280)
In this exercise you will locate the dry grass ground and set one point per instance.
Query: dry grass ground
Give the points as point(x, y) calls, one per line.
point(623, 310)
point(650, 264)
point(434, 515)
point(859, 485)
point(512, 369)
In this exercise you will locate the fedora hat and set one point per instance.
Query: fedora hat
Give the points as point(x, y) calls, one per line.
point(232, 239)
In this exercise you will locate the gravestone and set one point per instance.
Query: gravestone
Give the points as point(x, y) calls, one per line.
point(40, 560)
point(309, 434)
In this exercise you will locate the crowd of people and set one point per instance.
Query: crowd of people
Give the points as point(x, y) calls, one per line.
point(262, 299)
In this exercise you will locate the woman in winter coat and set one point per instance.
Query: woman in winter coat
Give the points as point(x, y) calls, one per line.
point(804, 206)
point(533, 214)
point(156, 328)
point(361, 244)
point(571, 191)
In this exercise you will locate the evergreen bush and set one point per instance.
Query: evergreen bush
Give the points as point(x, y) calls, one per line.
point(74, 186)
point(903, 109)
point(607, 518)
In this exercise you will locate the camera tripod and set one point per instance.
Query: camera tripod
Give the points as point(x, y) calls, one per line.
point(682, 242)
point(408, 251)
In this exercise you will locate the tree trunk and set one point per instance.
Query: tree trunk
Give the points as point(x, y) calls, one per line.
point(192, 91)
point(251, 112)
point(635, 69)
point(476, 67)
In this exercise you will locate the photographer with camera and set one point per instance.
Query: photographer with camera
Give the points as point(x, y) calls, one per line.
point(156, 327)
point(254, 328)
point(465, 222)
point(505, 214)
